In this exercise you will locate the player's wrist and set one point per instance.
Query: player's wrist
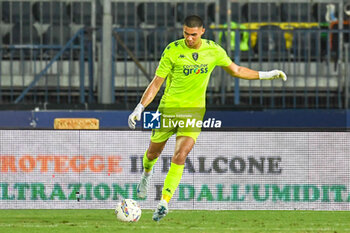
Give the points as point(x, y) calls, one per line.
point(266, 74)
point(139, 108)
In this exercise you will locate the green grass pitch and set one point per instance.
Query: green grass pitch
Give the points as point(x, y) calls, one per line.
point(205, 221)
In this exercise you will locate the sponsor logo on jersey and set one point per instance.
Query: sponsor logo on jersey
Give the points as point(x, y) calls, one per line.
point(195, 69)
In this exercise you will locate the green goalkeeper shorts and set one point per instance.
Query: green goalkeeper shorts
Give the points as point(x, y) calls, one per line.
point(162, 136)
point(164, 133)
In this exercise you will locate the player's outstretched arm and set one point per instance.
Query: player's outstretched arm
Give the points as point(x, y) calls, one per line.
point(246, 73)
point(146, 99)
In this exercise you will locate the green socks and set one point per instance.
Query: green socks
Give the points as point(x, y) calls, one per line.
point(148, 164)
point(172, 180)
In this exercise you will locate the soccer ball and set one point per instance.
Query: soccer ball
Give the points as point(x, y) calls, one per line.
point(128, 210)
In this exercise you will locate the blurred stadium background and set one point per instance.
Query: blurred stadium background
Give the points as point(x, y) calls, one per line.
point(53, 52)
point(94, 59)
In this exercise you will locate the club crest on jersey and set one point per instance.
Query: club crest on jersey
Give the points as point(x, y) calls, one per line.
point(195, 56)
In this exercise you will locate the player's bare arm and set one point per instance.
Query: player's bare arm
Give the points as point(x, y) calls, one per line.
point(241, 72)
point(151, 91)
point(245, 73)
point(146, 99)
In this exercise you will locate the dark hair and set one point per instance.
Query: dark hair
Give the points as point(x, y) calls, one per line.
point(193, 21)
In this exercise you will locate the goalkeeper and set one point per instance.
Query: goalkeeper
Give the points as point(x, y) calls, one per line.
point(186, 64)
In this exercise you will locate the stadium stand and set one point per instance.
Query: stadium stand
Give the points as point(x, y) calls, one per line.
point(296, 34)
point(80, 12)
point(190, 8)
point(156, 14)
point(124, 14)
point(16, 11)
point(134, 40)
point(56, 35)
point(271, 43)
point(261, 12)
point(306, 44)
point(334, 37)
point(53, 12)
point(319, 11)
point(296, 12)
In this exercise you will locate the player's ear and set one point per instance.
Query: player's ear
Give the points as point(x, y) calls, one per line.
point(203, 30)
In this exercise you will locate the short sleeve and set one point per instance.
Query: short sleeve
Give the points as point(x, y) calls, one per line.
point(165, 64)
point(222, 58)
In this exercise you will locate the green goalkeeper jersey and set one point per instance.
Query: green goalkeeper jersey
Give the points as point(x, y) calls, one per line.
point(188, 71)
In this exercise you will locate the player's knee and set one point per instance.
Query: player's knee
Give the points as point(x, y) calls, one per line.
point(180, 157)
point(153, 154)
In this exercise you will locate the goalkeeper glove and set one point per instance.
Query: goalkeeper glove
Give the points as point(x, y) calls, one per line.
point(274, 74)
point(135, 115)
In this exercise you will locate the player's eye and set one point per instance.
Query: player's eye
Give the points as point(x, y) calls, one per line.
point(188, 34)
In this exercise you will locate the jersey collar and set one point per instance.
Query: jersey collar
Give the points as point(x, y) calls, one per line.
point(191, 48)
